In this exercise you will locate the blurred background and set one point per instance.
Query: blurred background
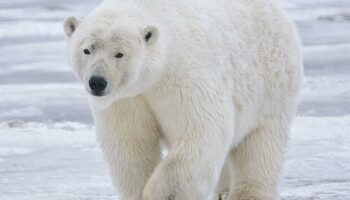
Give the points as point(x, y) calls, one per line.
point(47, 144)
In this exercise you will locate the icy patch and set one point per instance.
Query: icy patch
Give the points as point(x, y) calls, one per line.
point(36, 14)
point(323, 88)
point(56, 101)
point(71, 126)
point(322, 14)
point(341, 17)
point(12, 151)
point(67, 126)
point(51, 161)
point(318, 160)
point(22, 112)
point(31, 28)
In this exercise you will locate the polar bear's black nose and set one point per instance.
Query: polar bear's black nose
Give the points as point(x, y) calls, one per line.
point(97, 84)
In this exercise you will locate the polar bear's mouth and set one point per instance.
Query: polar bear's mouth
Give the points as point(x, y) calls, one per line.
point(98, 94)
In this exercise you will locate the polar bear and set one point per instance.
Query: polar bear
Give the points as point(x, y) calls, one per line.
point(214, 82)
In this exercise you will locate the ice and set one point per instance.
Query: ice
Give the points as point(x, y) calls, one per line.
point(47, 144)
point(58, 161)
point(318, 164)
point(9, 151)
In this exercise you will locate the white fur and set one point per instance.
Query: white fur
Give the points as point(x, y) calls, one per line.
point(218, 82)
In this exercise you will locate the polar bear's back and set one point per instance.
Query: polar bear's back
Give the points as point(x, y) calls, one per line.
point(256, 37)
point(249, 42)
point(253, 43)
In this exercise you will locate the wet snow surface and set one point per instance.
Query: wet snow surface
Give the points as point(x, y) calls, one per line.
point(47, 144)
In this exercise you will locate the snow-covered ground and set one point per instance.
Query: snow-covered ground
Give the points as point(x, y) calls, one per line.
point(47, 144)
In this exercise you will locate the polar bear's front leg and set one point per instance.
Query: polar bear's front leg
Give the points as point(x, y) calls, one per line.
point(127, 133)
point(199, 128)
point(223, 187)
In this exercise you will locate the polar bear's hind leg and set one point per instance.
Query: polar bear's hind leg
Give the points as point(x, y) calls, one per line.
point(257, 162)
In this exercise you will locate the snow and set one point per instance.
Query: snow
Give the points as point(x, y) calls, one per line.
point(51, 161)
point(318, 164)
point(47, 144)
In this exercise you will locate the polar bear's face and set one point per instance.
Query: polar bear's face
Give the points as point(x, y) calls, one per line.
point(113, 60)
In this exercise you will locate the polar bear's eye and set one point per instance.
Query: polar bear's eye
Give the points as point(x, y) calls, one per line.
point(87, 52)
point(119, 55)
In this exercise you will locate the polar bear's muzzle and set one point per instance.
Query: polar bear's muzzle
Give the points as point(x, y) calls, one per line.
point(98, 86)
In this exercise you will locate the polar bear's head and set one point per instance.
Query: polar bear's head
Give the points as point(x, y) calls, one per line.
point(113, 59)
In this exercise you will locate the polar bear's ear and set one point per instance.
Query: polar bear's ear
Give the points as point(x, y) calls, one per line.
point(150, 34)
point(70, 25)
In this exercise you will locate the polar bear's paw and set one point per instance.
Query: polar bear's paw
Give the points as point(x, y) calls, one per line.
point(251, 193)
point(223, 196)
